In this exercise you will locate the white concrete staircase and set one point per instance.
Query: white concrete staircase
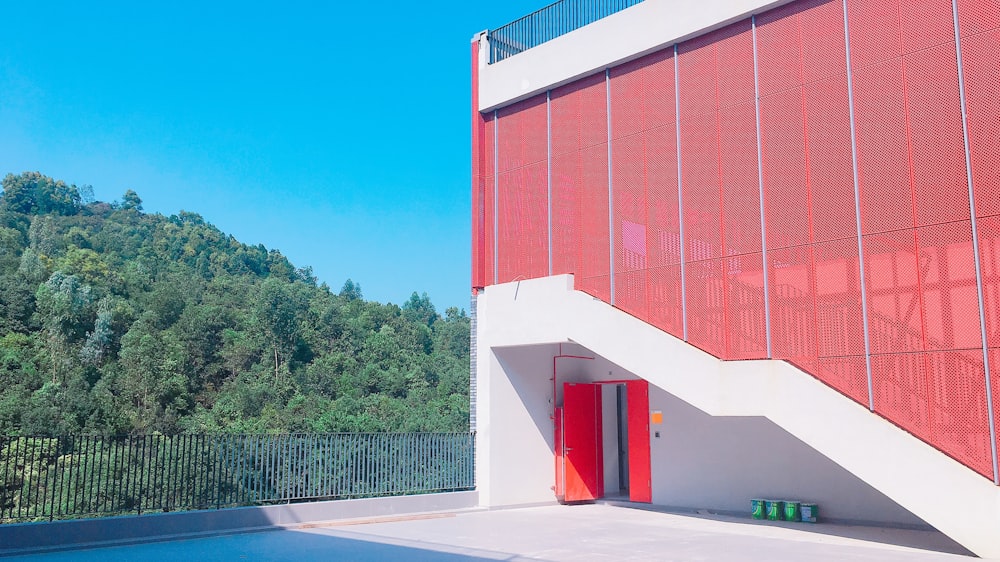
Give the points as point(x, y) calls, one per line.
point(946, 494)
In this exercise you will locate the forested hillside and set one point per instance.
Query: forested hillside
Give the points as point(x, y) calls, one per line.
point(117, 321)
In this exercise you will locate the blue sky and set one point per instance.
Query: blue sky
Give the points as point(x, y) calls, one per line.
point(335, 132)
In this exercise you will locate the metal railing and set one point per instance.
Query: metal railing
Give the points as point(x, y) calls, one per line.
point(548, 23)
point(46, 478)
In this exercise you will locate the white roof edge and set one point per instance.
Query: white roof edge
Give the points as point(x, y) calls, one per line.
point(620, 37)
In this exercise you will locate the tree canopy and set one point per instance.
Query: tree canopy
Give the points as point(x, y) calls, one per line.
point(117, 321)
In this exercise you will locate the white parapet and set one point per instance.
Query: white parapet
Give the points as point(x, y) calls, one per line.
point(622, 36)
point(944, 493)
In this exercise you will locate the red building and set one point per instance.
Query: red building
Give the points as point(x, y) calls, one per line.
point(782, 214)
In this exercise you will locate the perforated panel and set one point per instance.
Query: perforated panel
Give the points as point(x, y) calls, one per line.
point(941, 192)
point(840, 318)
point(948, 281)
point(706, 306)
point(981, 63)
point(523, 136)
point(939, 397)
point(989, 252)
point(595, 238)
point(523, 228)
point(875, 33)
point(793, 306)
point(740, 181)
point(925, 24)
point(631, 232)
point(883, 160)
point(745, 315)
point(702, 194)
point(664, 298)
point(830, 164)
point(849, 375)
point(664, 239)
point(891, 266)
point(489, 202)
point(786, 187)
point(579, 114)
point(642, 94)
point(976, 16)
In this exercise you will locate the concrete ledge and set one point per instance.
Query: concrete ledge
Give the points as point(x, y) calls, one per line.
point(30, 538)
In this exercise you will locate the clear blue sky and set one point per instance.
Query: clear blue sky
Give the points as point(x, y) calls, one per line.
point(335, 132)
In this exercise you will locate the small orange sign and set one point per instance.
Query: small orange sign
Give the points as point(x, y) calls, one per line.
point(656, 418)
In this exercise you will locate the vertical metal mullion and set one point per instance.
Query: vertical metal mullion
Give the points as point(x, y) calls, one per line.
point(760, 187)
point(611, 192)
point(496, 196)
point(975, 244)
point(548, 166)
point(857, 210)
point(680, 193)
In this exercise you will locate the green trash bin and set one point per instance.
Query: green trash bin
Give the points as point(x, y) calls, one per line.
point(757, 510)
point(791, 511)
point(773, 508)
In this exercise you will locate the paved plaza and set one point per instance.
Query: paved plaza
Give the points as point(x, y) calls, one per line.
point(577, 533)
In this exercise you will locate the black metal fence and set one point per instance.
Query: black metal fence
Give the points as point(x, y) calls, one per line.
point(548, 23)
point(46, 478)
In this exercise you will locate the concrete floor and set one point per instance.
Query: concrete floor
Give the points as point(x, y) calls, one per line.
point(586, 532)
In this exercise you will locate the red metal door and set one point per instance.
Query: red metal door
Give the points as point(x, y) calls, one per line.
point(583, 461)
point(639, 479)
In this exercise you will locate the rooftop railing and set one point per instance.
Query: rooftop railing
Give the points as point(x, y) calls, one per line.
point(548, 23)
point(47, 478)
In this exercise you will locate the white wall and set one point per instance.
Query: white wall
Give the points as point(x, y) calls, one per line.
point(622, 36)
point(929, 484)
point(721, 463)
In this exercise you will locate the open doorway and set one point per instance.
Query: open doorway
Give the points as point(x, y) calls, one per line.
point(602, 442)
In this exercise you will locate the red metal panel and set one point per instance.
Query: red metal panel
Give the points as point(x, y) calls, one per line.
point(631, 245)
point(934, 115)
point(664, 297)
point(801, 42)
point(523, 134)
point(849, 375)
point(883, 159)
point(734, 63)
point(640, 478)
point(523, 232)
point(702, 194)
point(581, 239)
point(706, 306)
point(663, 238)
point(745, 324)
point(989, 255)
point(940, 398)
point(642, 94)
point(892, 286)
point(566, 228)
point(976, 16)
point(489, 203)
point(948, 281)
point(829, 160)
point(792, 296)
point(875, 33)
point(595, 239)
point(786, 184)
point(924, 24)
point(981, 64)
point(478, 186)
point(579, 114)
point(839, 316)
point(740, 181)
point(583, 460)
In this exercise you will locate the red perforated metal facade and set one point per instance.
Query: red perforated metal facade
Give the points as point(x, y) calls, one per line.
point(864, 271)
